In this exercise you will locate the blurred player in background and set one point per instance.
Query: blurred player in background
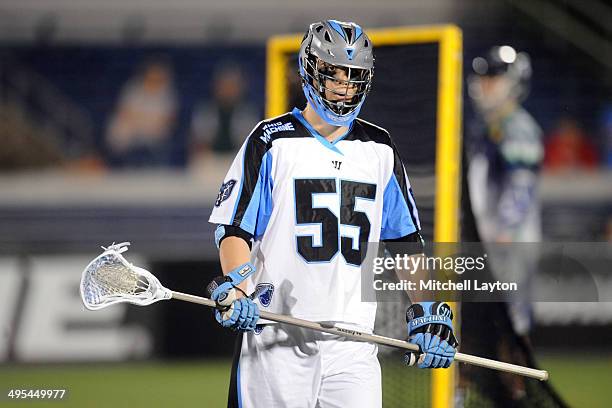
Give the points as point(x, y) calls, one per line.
point(506, 157)
point(306, 192)
point(508, 149)
point(506, 153)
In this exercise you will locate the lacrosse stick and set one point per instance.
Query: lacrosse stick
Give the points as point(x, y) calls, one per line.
point(110, 279)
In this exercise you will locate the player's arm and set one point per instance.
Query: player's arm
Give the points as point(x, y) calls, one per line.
point(234, 245)
point(429, 323)
point(241, 211)
point(234, 252)
point(401, 229)
point(411, 245)
point(235, 309)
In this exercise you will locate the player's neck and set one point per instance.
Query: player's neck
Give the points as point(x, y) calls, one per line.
point(329, 132)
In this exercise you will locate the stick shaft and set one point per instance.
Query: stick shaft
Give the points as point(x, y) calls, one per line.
point(374, 338)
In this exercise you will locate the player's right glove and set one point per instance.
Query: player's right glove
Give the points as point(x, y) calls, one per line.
point(237, 314)
point(430, 326)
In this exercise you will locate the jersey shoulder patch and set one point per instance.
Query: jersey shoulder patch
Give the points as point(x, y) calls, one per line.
point(225, 192)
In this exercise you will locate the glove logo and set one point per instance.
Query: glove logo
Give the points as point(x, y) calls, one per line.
point(225, 192)
point(266, 291)
point(445, 310)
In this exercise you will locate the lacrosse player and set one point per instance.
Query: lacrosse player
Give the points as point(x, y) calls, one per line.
point(506, 155)
point(305, 193)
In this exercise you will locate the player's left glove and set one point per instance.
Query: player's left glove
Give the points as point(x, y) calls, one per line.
point(237, 314)
point(430, 326)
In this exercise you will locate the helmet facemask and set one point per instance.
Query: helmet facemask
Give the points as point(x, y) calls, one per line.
point(341, 89)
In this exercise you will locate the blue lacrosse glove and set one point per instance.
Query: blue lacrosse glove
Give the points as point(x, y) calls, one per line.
point(237, 314)
point(430, 326)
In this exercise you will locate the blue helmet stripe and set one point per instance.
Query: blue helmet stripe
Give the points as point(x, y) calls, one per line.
point(334, 24)
point(358, 32)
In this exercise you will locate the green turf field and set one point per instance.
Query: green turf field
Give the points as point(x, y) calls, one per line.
point(202, 384)
point(581, 381)
point(584, 382)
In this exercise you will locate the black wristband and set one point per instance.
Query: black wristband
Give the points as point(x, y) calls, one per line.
point(414, 238)
point(224, 231)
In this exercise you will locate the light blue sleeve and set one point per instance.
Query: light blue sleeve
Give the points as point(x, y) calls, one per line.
point(399, 214)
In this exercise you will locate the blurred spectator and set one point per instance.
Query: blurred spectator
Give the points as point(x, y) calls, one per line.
point(24, 146)
point(221, 124)
point(140, 130)
point(568, 148)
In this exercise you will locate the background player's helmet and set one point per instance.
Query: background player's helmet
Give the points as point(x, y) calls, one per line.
point(511, 72)
point(329, 45)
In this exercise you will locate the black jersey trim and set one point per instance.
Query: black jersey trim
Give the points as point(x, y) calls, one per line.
point(234, 397)
point(258, 143)
point(233, 231)
point(364, 131)
point(251, 167)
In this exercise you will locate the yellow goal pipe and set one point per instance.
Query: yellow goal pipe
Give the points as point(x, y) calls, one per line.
point(448, 134)
point(448, 176)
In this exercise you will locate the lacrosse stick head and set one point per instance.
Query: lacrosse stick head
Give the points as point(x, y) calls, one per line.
point(110, 279)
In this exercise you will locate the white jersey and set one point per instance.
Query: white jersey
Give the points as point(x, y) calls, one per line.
point(311, 207)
